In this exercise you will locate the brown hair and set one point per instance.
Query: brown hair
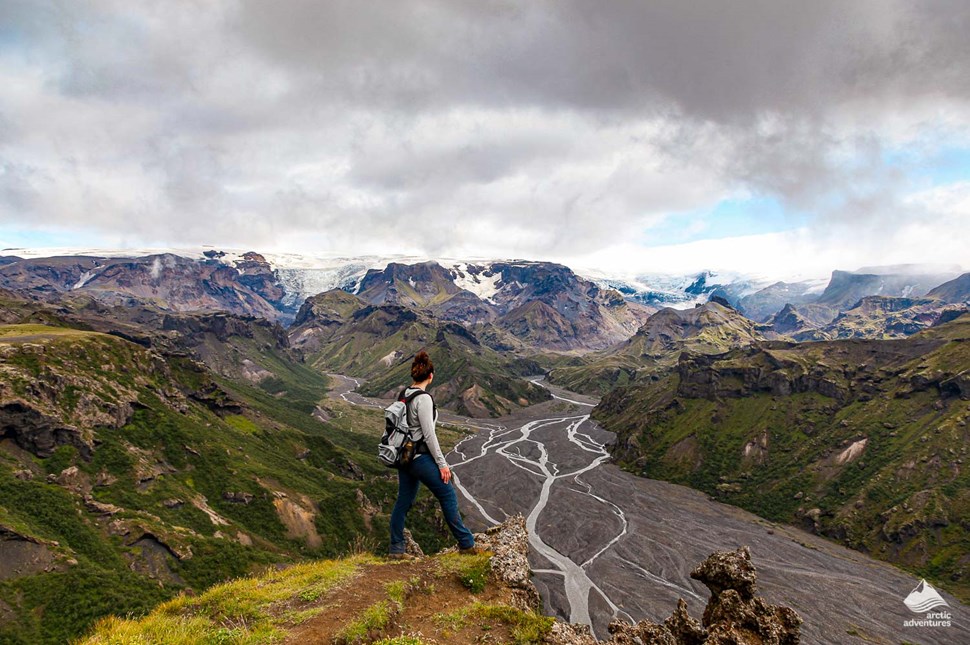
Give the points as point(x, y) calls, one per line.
point(421, 367)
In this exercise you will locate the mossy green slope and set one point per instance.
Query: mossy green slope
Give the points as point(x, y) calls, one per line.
point(710, 328)
point(378, 343)
point(130, 476)
point(249, 610)
point(469, 378)
point(238, 347)
point(862, 441)
point(446, 598)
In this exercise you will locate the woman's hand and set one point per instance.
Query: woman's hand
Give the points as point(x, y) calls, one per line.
point(445, 474)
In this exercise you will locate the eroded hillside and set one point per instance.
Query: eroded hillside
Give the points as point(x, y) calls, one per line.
point(127, 476)
point(862, 441)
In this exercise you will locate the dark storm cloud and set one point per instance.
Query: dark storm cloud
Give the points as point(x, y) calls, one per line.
point(712, 60)
point(498, 125)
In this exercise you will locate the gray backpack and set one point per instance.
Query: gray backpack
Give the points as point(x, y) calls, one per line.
point(398, 447)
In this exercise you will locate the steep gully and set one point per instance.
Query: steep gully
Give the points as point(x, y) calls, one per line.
point(607, 544)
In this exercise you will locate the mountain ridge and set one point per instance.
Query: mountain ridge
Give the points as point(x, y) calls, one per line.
point(858, 440)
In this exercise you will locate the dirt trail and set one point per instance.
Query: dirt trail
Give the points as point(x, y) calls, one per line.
point(432, 605)
point(609, 544)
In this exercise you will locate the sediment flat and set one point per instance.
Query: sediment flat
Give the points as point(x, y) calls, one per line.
point(608, 545)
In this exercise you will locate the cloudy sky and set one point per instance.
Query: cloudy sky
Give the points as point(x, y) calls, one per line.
point(769, 136)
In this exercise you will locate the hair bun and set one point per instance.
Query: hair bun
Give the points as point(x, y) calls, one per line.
point(421, 367)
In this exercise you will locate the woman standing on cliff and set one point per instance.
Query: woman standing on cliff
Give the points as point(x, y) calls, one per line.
point(428, 466)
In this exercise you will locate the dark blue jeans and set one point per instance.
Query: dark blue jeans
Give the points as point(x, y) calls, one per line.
point(424, 470)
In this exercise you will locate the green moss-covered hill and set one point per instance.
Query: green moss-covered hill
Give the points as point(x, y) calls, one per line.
point(711, 328)
point(865, 441)
point(338, 333)
point(128, 475)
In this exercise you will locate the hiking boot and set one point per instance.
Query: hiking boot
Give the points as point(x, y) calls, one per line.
point(400, 556)
point(472, 550)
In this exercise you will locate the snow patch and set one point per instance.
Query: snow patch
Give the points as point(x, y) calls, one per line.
point(483, 286)
point(300, 284)
point(86, 277)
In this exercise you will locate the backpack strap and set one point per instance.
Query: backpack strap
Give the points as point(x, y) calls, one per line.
point(413, 395)
point(407, 401)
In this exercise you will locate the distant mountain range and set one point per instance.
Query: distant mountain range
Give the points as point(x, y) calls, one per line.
point(711, 328)
point(495, 313)
point(168, 281)
point(285, 280)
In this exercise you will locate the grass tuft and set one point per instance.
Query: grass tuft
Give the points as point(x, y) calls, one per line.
point(401, 640)
point(526, 627)
point(374, 619)
point(472, 570)
point(248, 610)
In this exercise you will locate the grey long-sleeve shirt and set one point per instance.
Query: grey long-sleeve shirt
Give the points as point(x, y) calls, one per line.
point(422, 417)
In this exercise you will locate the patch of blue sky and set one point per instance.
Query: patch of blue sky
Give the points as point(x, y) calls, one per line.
point(20, 238)
point(937, 167)
point(732, 217)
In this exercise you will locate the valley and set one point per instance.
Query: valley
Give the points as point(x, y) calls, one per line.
point(607, 544)
point(169, 422)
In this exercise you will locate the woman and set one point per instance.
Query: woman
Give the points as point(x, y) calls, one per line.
point(428, 466)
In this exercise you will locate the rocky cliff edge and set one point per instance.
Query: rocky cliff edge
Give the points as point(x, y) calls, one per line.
point(446, 598)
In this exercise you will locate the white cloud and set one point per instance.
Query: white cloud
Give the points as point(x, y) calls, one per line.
point(542, 129)
point(803, 253)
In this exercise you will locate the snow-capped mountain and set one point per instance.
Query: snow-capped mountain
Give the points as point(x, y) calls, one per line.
point(298, 276)
point(304, 275)
point(680, 291)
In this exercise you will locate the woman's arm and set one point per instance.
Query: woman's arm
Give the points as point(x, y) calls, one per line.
point(425, 409)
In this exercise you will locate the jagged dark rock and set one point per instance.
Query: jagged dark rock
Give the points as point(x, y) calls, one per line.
point(728, 570)
point(734, 615)
point(100, 508)
point(683, 627)
point(351, 470)
point(509, 544)
point(643, 633)
point(216, 399)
